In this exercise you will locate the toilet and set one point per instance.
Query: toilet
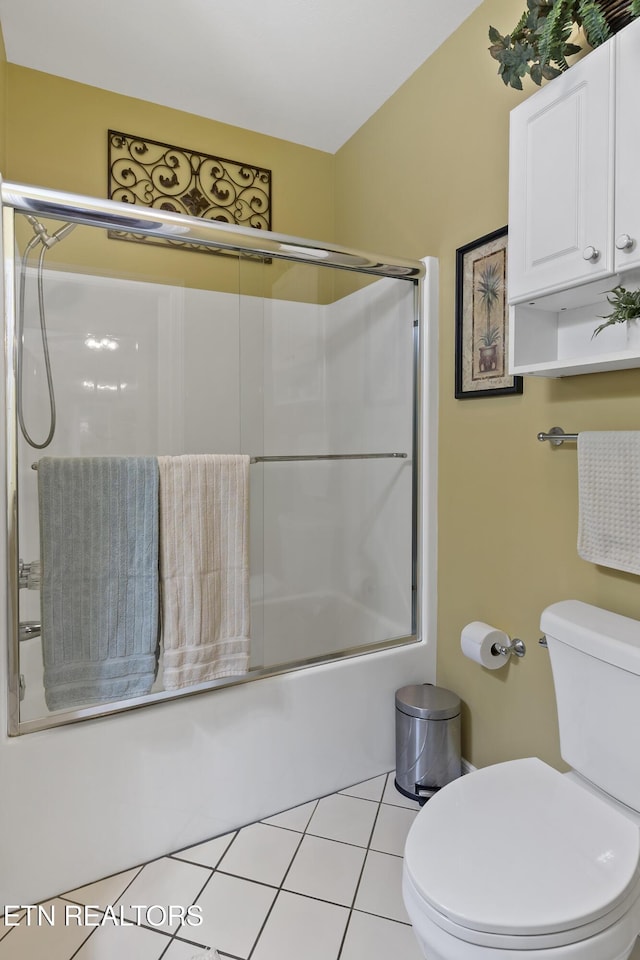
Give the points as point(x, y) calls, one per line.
point(517, 860)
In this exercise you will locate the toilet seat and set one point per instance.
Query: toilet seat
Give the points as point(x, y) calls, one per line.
point(558, 864)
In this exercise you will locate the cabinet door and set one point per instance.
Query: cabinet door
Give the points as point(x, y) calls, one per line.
point(627, 205)
point(561, 181)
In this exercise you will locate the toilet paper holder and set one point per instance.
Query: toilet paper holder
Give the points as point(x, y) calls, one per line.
point(515, 648)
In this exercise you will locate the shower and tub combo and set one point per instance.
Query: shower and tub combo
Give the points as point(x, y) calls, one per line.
point(313, 367)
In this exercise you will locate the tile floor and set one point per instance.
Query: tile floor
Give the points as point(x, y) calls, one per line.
point(318, 882)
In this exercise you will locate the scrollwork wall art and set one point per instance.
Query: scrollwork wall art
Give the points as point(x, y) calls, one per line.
point(154, 174)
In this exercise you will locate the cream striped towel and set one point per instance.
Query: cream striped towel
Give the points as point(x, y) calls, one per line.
point(204, 567)
point(609, 496)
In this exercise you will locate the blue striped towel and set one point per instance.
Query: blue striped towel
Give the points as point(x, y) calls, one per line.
point(99, 593)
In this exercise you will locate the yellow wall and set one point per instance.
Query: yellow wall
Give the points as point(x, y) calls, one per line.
point(3, 101)
point(58, 138)
point(425, 175)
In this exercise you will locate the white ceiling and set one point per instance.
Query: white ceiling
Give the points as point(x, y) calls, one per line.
point(308, 71)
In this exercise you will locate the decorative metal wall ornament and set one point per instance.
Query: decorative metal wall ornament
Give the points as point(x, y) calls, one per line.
point(154, 174)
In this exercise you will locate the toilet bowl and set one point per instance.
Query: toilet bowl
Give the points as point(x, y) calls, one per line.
point(517, 861)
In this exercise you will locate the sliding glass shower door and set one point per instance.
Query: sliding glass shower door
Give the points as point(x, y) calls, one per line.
point(327, 368)
point(305, 369)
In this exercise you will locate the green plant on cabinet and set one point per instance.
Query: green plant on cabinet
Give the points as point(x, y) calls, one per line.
point(626, 306)
point(539, 44)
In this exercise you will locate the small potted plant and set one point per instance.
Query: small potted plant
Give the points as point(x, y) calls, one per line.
point(489, 349)
point(489, 287)
point(626, 307)
point(539, 44)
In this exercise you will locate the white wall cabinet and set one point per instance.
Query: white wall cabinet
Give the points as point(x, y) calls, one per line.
point(574, 213)
point(561, 179)
point(627, 154)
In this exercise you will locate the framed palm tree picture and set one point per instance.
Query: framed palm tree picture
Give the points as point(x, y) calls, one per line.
point(482, 328)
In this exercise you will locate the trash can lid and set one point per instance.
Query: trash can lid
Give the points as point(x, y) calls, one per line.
point(427, 702)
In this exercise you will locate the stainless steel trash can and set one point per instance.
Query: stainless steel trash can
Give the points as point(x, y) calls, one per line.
point(427, 740)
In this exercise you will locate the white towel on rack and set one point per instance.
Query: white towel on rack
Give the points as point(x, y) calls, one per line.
point(609, 495)
point(204, 567)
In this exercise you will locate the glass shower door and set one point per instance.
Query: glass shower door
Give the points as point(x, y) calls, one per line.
point(327, 364)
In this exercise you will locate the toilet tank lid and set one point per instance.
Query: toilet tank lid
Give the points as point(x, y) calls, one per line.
point(599, 633)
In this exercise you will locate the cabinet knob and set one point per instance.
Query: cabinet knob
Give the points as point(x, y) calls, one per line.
point(624, 242)
point(590, 253)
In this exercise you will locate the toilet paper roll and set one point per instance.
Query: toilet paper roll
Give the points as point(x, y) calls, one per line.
point(477, 640)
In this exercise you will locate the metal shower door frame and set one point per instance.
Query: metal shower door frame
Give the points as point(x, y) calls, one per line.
point(107, 214)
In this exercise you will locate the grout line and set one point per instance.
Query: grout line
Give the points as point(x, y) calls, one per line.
point(138, 867)
point(138, 872)
point(364, 862)
point(194, 899)
point(80, 946)
point(345, 843)
point(175, 854)
point(169, 935)
point(279, 890)
point(315, 801)
point(380, 916)
point(288, 870)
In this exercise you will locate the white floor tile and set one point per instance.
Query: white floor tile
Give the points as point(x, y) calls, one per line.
point(374, 938)
point(380, 889)
point(299, 927)
point(348, 819)
point(261, 852)
point(125, 943)
point(179, 950)
point(295, 819)
point(164, 883)
point(209, 853)
point(392, 827)
point(316, 851)
point(233, 912)
point(326, 869)
point(105, 892)
point(368, 789)
point(57, 942)
point(392, 795)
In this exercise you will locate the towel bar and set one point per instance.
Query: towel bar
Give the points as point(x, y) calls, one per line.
point(322, 456)
point(556, 436)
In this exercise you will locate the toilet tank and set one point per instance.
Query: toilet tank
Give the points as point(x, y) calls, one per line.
point(595, 660)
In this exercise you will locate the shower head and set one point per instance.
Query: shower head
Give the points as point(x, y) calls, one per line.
point(42, 235)
point(60, 234)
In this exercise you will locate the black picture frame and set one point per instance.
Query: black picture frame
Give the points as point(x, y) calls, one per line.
point(482, 319)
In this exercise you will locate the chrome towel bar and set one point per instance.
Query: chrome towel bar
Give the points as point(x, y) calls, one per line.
point(319, 456)
point(556, 436)
point(330, 456)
